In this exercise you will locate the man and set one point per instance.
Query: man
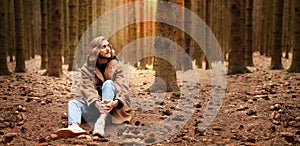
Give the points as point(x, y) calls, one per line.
point(102, 91)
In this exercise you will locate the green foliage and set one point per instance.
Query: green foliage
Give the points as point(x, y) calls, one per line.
point(12, 75)
point(286, 72)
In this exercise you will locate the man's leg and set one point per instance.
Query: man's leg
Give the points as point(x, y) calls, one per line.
point(108, 90)
point(108, 93)
point(75, 111)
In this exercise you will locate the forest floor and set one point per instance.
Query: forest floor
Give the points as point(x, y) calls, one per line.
point(259, 108)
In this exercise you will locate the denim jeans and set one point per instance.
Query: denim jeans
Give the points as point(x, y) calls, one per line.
point(78, 109)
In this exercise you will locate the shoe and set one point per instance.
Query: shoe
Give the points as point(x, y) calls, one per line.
point(99, 128)
point(70, 132)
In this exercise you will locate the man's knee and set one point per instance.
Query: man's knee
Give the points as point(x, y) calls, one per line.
point(73, 102)
point(108, 83)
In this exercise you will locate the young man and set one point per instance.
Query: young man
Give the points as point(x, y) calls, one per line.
point(102, 91)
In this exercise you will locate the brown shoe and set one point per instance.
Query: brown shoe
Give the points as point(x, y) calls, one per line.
point(70, 132)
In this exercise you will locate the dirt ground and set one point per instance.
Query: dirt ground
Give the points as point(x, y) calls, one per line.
point(259, 108)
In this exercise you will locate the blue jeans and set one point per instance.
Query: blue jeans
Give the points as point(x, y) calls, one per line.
point(79, 108)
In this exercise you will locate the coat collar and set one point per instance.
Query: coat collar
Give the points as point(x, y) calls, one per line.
point(108, 73)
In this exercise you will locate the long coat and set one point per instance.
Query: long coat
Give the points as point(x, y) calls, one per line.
point(92, 78)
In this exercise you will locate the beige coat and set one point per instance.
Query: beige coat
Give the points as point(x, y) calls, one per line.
point(90, 79)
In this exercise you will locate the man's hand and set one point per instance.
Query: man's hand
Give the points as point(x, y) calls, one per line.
point(106, 106)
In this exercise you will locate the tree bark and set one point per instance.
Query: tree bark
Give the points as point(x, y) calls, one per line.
point(236, 62)
point(20, 61)
point(249, 32)
point(295, 66)
point(55, 54)
point(44, 36)
point(73, 32)
point(276, 62)
point(163, 69)
point(66, 48)
point(3, 38)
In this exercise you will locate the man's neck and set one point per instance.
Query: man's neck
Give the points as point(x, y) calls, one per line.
point(102, 60)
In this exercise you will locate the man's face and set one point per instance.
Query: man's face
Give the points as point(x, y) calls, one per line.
point(105, 50)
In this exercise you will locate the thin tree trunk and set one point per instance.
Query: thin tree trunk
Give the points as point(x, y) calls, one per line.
point(20, 61)
point(55, 54)
point(236, 62)
point(188, 25)
point(73, 32)
point(196, 52)
point(3, 38)
point(66, 48)
point(163, 69)
point(11, 29)
point(208, 23)
point(249, 32)
point(276, 62)
point(44, 36)
point(295, 66)
point(32, 29)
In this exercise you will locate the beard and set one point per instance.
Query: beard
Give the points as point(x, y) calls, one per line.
point(105, 56)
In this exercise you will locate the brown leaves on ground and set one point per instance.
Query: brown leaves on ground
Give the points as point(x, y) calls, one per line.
point(259, 108)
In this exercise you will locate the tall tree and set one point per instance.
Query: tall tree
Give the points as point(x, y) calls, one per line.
point(188, 25)
point(163, 69)
point(249, 32)
point(73, 31)
point(196, 52)
point(236, 62)
point(20, 61)
point(295, 66)
point(83, 21)
point(287, 35)
point(11, 29)
point(44, 36)
point(3, 38)
point(55, 54)
point(208, 23)
point(276, 62)
point(66, 31)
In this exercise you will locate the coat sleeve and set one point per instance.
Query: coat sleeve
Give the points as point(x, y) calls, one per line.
point(122, 112)
point(87, 86)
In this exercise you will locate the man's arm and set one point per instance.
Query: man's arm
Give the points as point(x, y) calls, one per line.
point(122, 112)
point(87, 87)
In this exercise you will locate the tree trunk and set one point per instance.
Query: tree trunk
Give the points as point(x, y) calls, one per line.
point(249, 32)
point(277, 33)
point(55, 54)
point(3, 38)
point(163, 69)
point(208, 23)
point(49, 28)
point(196, 52)
point(188, 25)
point(44, 59)
point(32, 29)
point(269, 30)
point(20, 62)
point(73, 31)
point(295, 66)
point(287, 28)
point(236, 62)
point(11, 29)
point(66, 48)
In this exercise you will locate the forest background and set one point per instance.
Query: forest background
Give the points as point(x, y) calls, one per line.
point(52, 30)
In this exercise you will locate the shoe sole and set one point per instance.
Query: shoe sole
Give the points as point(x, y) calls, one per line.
point(98, 134)
point(68, 133)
